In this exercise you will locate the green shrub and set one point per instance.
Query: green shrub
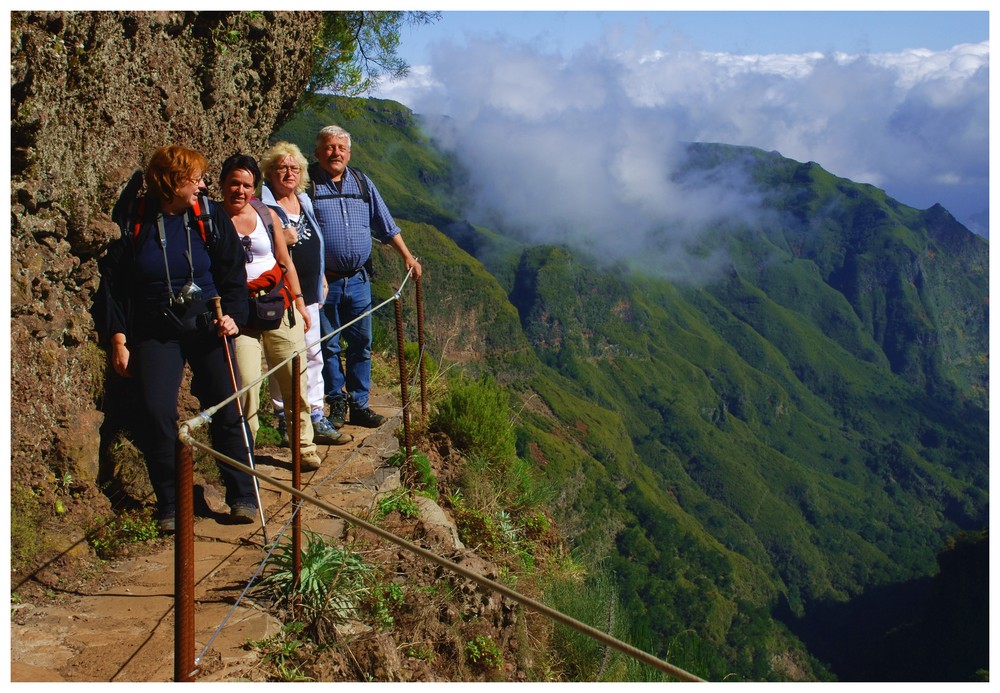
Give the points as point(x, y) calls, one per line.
point(479, 529)
point(483, 652)
point(536, 525)
point(284, 653)
point(510, 494)
point(332, 582)
point(425, 476)
point(399, 501)
point(335, 585)
point(425, 483)
point(131, 526)
point(476, 416)
point(382, 600)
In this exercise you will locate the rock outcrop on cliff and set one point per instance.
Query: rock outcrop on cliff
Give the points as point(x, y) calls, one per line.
point(92, 95)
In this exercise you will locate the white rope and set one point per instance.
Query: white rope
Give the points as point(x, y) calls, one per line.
point(274, 545)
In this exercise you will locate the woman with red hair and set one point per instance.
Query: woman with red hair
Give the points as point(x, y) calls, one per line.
point(177, 252)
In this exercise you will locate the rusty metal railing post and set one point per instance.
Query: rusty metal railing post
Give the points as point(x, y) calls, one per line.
point(403, 394)
point(295, 435)
point(420, 346)
point(184, 665)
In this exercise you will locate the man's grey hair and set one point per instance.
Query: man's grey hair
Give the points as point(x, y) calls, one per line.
point(334, 131)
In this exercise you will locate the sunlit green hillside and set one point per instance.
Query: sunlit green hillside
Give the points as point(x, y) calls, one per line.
point(806, 427)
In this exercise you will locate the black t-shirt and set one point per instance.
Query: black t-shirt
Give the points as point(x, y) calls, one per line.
point(306, 256)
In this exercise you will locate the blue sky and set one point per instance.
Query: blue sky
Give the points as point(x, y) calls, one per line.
point(897, 99)
point(730, 31)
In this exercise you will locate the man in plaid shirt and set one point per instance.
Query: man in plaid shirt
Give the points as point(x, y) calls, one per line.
point(350, 212)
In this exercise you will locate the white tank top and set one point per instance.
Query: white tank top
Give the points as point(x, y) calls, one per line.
point(260, 249)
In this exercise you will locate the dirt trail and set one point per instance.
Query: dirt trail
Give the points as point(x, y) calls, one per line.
point(122, 629)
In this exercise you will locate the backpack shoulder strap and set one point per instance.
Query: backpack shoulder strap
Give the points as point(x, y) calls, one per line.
point(359, 178)
point(201, 213)
point(264, 212)
point(362, 181)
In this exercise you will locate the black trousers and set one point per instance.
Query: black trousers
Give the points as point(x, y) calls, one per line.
point(159, 367)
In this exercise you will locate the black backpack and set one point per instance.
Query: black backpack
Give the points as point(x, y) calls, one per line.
point(131, 206)
point(359, 178)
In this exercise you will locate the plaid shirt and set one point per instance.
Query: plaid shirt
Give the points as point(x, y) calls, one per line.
point(348, 224)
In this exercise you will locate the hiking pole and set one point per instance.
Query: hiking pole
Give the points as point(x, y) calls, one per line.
point(217, 307)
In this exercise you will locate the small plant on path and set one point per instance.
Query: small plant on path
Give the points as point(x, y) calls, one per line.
point(334, 583)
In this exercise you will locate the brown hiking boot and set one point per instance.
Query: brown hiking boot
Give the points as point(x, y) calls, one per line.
point(243, 513)
point(310, 462)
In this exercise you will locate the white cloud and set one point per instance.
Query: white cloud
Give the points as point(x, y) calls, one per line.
point(581, 148)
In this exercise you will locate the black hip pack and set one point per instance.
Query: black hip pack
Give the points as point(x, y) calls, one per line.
point(170, 322)
point(267, 307)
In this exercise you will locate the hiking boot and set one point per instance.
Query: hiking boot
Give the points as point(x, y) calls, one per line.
point(310, 462)
point(243, 512)
point(338, 411)
point(324, 433)
point(365, 417)
point(338, 438)
point(282, 430)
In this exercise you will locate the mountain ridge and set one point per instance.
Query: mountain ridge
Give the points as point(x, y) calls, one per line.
point(734, 455)
point(794, 418)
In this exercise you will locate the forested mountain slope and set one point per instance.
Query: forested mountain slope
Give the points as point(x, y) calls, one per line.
point(800, 428)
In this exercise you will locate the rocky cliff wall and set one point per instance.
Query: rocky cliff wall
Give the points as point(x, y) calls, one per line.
point(92, 95)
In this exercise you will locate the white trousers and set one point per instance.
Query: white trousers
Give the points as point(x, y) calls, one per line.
point(314, 368)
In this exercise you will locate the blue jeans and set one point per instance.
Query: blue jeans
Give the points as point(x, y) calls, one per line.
point(352, 377)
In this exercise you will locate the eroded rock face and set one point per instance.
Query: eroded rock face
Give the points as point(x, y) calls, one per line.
point(93, 94)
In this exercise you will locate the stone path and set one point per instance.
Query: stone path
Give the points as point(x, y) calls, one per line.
point(123, 630)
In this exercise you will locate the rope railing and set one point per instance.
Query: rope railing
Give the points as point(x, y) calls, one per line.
point(291, 522)
point(481, 580)
point(205, 415)
point(184, 536)
point(186, 668)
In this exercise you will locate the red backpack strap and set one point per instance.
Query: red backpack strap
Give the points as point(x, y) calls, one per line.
point(201, 217)
point(139, 211)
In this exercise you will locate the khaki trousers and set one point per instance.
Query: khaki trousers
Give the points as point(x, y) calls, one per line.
point(273, 347)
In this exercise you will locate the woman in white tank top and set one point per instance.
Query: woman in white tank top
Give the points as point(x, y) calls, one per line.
point(266, 255)
point(258, 249)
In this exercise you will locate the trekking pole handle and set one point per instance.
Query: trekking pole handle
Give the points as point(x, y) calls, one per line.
point(216, 302)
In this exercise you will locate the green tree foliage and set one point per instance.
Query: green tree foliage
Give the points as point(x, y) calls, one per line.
point(355, 49)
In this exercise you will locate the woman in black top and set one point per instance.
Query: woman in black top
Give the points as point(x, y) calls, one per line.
point(153, 312)
point(283, 167)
